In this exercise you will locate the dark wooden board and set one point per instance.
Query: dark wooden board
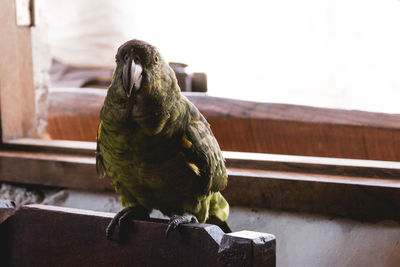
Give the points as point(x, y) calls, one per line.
point(40, 235)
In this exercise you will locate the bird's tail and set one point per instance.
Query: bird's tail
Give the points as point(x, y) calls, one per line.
point(219, 211)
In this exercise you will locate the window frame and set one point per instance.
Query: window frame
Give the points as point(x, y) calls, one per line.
point(364, 189)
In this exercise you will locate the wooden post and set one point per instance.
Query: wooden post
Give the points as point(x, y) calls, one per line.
point(17, 94)
point(247, 248)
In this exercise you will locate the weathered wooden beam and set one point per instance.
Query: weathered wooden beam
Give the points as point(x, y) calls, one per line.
point(252, 126)
point(316, 165)
point(58, 170)
point(360, 197)
point(38, 235)
point(243, 160)
point(246, 245)
point(17, 94)
point(352, 197)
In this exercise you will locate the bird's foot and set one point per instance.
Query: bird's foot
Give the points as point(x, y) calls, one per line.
point(177, 220)
point(124, 219)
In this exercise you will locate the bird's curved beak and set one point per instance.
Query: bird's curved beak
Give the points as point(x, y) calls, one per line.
point(131, 76)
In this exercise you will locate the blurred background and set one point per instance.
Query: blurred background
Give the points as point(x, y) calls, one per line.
point(337, 54)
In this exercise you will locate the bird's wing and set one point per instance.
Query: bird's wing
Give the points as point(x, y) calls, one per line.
point(202, 151)
point(100, 169)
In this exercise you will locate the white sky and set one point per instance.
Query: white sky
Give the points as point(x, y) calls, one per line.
point(328, 53)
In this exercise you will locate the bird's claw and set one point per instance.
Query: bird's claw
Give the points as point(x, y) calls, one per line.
point(177, 220)
point(122, 219)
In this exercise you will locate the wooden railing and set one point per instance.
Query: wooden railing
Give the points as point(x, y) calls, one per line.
point(38, 235)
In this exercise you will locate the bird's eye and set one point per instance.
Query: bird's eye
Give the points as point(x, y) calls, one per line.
point(126, 57)
point(156, 59)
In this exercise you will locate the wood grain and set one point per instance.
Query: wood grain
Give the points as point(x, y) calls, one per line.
point(364, 198)
point(350, 197)
point(301, 130)
point(254, 161)
point(53, 236)
point(253, 127)
point(309, 164)
point(17, 95)
point(61, 170)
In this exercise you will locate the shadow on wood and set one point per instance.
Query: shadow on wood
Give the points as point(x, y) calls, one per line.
point(38, 235)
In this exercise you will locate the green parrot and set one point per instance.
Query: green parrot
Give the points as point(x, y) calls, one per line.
point(156, 147)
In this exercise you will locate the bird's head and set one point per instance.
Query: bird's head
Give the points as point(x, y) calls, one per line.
point(143, 69)
point(144, 81)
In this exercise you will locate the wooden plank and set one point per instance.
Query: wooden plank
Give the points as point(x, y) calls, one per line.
point(53, 236)
point(350, 197)
point(308, 164)
point(80, 148)
point(253, 127)
point(256, 161)
point(365, 198)
point(300, 130)
point(63, 122)
point(239, 247)
point(58, 170)
point(17, 99)
point(379, 171)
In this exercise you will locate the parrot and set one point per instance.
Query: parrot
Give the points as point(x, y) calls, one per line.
point(156, 147)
